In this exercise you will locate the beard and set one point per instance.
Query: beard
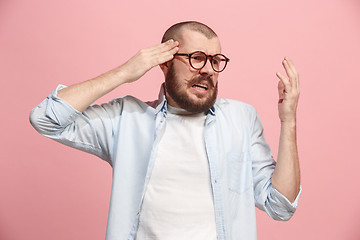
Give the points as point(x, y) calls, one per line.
point(177, 90)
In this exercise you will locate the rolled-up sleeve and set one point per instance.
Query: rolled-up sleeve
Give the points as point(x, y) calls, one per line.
point(91, 130)
point(278, 207)
point(52, 115)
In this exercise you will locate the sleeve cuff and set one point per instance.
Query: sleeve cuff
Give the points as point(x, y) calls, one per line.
point(284, 201)
point(59, 110)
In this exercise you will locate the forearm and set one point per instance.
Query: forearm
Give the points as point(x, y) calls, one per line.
point(286, 176)
point(81, 95)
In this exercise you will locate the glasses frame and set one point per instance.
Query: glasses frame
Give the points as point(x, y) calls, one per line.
point(207, 57)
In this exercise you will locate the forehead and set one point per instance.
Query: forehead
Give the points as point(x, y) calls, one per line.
point(191, 41)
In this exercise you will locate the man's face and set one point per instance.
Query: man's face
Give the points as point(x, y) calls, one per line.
point(188, 88)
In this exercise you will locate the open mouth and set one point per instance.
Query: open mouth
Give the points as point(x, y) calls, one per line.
point(200, 86)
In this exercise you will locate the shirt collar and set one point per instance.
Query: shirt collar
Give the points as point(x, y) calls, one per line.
point(161, 102)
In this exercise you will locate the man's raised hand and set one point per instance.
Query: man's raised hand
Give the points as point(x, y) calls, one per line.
point(147, 58)
point(289, 92)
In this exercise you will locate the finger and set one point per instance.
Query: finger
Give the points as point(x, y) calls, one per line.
point(167, 56)
point(173, 51)
point(291, 64)
point(288, 70)
point(171, 44)
point(159, 53)
point(295, 80)
point(285, 81)
point(163, 52)
point(163, 47)
point(281, 90)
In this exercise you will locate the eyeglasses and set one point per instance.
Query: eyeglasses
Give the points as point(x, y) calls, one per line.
point(198, 60)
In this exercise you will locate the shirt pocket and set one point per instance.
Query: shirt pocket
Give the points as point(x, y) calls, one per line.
point(239, 172)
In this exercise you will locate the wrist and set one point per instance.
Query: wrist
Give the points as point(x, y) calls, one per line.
point(288, 123)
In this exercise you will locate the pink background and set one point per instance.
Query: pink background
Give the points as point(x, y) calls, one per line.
point(49, 191)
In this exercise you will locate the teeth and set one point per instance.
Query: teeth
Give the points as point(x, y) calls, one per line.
point(200, 86)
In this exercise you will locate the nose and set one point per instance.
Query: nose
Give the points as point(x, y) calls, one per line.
point(207, 69)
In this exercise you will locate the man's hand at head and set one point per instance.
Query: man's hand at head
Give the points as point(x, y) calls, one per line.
point(147, 58)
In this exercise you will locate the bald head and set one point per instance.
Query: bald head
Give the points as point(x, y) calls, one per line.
point(175, 31)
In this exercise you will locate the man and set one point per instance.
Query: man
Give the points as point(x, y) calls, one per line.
point(188, 165)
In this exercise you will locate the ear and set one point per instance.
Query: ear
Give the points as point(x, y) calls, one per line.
point(165, 67)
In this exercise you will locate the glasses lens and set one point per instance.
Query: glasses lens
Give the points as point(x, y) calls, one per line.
point(219, 62)
point(197, 60)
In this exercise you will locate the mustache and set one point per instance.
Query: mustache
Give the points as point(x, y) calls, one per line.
point(200, 79)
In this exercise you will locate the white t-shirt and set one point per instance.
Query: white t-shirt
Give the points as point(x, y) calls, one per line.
point(178, 201)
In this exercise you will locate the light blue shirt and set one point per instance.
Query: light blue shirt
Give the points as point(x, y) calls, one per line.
point(126, 133)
